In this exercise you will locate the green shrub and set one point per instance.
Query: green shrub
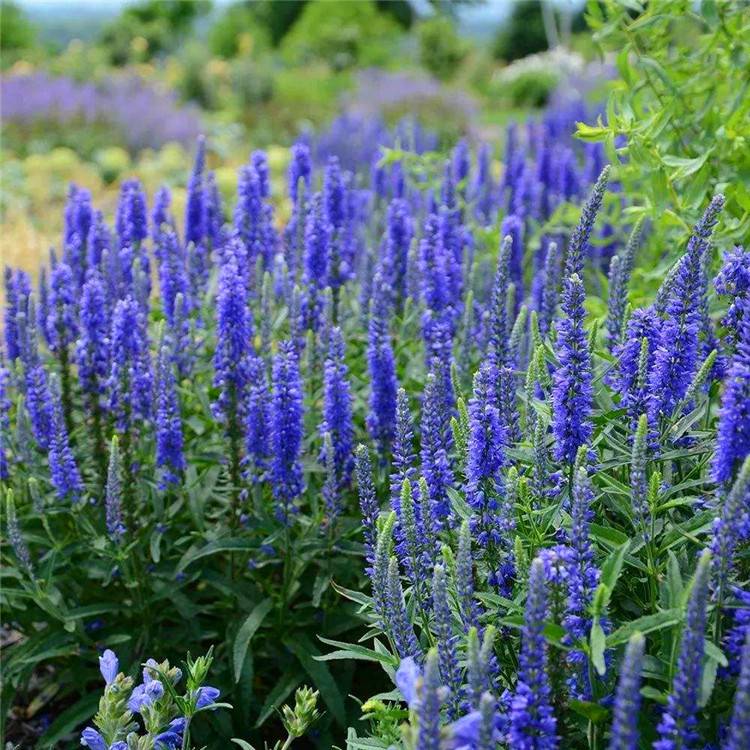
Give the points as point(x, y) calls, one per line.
point(342, 34)
point(441, 50)
point(225, 38)
point(678, 118)
point(16, 32)
point(523, 34)
point(532, 88)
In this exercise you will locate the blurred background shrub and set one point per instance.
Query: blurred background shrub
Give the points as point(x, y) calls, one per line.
point(121, 87)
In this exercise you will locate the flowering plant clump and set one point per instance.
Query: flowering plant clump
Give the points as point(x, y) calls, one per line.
point(216, 430)
point(164, 715)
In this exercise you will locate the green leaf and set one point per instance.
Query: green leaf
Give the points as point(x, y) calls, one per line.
point(590, 132)
point(68, 720)
point(591, 711)
point(245, 634)
point(301, 646)
point(714, 653)
point(355, 651)
point(218, 545)
point(654, 694)
point(645, 624)
point(244, 745)
point(613, 567)
point(598, 643)
point(286, 683)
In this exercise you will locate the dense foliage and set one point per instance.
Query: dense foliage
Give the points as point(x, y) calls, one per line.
point(678, 116)
point(181, 409)
point(457, 436)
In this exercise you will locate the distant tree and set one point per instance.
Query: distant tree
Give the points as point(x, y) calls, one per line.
point(278, 18)
point(440, 48)
point(274, 19)
point(16, 31)
point(150, 27)
point(401, 11)
point(534, 26)
point(342, 34)
point(237, 20)
point(523, 34)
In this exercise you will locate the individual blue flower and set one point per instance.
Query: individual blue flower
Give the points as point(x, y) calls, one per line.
point(99, 240)
point(399, 233)
point(66, 479)
point(579, 239)
point(337, 408)
point(628, 698)
point(678, 725)
point(317, 258)
point(131, 222)
point(620, 270)
point(194, 208)
point(430, 698)
point(286, 431)
point(249, 221)
point(435, 270)
point(171, 737)
point(368, 501)
point(512, 227)
point(92, 739)
point(144, 695)
point(549, 280)
point(38, 400)
point(676, 356)
point(532, 722)
point(436, 468)
point(398, 625)
point(733, 429)
point(730, 527)
point(572, 391)
point(43, 315)
point(583, 578)
point(403, 458)
point(483, 188)
point(450, 673)
point(173, 273)
point(632, 373)
point(17, 291)
point(485, 458)
point(213, 219)
point(733, 281)
point(130, 378)
point(160, 213)
point(499, 324)
point(233, 334)
point(92, 348)
point(206, 696)
point(77, 213)
point(739, 725)
point(109, 666)
point(381, 417)
point(300, 169)
point(62, 324)
point(257, 419)
point(170, 457)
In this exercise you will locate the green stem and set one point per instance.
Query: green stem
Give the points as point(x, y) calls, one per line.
point(186, 735)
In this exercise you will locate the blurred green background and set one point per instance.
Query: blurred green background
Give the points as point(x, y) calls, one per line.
point(96, 91)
